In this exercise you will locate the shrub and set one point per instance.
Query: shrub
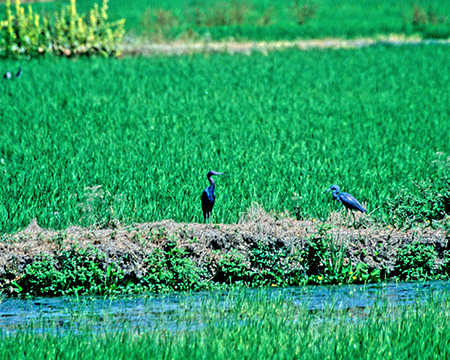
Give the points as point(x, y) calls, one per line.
point(423, 16)
point(75, 271)
point(416, 261)
point(170, 269)
point(66, 33)
point(327, 262)
point(429, 22)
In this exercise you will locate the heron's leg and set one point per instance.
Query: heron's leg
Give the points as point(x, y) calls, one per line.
point(346, 214)
point(354, 219)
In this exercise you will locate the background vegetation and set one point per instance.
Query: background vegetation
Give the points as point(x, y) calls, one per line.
point(268, 20)
point(283, 19)
point(97, 142)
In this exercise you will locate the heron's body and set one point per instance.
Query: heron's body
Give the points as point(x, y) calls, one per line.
point(346, 199)
point(9, 75)
point(208, 197)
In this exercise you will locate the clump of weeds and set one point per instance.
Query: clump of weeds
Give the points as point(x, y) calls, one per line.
point(416, 262)
point(170, 269)
point(76, 271)
point(98, 207)
point(303, 11)
point(427, 202)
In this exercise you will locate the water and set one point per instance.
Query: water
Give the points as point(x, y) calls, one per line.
point(68, 314)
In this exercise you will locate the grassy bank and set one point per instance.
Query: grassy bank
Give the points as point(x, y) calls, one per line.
point(167, 257)
point(253, 326)
point(103, 142)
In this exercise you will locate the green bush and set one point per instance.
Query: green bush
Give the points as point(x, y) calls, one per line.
point(328, 263)
point(75, 271)
point(170, 270)
point(428, 22)
point(416, 262)
point(66, 33)
point(232, 270)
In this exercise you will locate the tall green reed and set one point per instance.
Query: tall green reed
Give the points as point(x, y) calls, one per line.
point(105, 142)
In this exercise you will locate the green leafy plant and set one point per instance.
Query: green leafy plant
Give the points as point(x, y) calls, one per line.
point(170, 270)
point(232, 270)
point(74, 272)
point(416, 261)
point(268, 262)
point(327, 262)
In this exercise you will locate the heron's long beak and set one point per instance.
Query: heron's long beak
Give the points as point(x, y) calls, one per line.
point(326, 191)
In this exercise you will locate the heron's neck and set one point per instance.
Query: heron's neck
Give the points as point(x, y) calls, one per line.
point(335, 194)
point(211, 181)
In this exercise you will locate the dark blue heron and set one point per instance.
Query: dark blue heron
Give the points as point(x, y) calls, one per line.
point(208, 196)
point(346, 199)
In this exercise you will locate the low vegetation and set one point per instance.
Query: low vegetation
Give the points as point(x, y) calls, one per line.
point(57, 27)
point(67, 33)
point(151, 258)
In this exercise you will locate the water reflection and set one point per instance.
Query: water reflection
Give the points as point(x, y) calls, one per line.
point(150, 312)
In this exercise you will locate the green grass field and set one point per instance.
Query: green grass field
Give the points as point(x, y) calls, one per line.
point(244, 326)
point(92, 141)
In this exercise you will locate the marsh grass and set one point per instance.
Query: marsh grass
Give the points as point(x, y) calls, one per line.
point(107, 142)
point(251, 325)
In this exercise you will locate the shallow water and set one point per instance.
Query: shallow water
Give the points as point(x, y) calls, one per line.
point(149, 312)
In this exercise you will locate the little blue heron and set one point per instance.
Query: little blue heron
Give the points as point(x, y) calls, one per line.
point(9, 75)
point(208, 196)
point(346, 199)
